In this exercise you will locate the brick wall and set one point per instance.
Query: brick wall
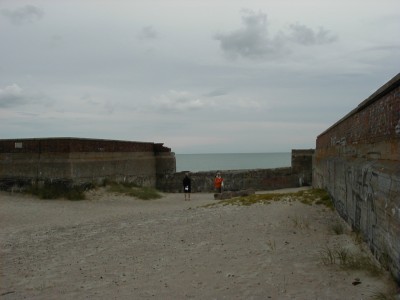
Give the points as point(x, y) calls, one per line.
point(358, 161)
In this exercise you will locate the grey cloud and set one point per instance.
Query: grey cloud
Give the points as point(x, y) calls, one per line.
point(183, 101)
point(107, 105)
point(216, 93)
point(304, 35)
point(12, 96)
point(148, 33)
point(179, 101)
point(253, 40)
point(23, 15)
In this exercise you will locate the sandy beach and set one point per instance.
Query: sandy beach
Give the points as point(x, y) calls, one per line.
point(116, 247)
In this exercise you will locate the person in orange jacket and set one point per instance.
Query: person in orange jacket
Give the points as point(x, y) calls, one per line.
point(218, 183)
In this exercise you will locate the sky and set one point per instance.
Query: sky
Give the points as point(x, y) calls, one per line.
point(220, 76)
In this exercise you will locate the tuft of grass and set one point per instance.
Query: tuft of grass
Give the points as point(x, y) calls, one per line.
point(272, 245)
point(327, 256)
point(337, 228)
point(130, 189)
point(343, 255)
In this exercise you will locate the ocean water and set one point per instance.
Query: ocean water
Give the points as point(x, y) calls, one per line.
point(231, 161)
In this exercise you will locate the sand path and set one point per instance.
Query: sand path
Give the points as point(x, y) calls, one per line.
point(115, 247)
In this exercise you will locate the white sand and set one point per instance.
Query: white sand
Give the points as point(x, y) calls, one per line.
point(115, 247)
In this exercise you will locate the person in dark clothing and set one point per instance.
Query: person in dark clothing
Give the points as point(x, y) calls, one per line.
point(187, 186)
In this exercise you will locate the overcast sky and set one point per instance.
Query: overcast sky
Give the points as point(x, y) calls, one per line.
point(199, 76)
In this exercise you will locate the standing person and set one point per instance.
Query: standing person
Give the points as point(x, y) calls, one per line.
point(218, 183)
point(187, 186)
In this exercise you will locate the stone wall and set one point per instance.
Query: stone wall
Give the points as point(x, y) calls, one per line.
point(358, 161)
point(302, 165)
point(234, 180)
point(80, 161)
point(257, 179)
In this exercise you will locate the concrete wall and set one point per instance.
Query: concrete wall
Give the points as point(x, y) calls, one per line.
point(257, 179)
point(358, 161)
point(80, 161)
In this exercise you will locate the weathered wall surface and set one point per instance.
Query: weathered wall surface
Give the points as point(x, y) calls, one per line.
point(81, 161)
point(302, 165)
point(358, 161)
point(257, 179)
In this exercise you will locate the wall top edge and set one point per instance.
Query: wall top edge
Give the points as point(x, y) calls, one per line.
point(71, 139)
point(382, 91)
point(72, 144)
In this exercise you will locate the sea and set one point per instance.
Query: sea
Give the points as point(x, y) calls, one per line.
point(231, 161)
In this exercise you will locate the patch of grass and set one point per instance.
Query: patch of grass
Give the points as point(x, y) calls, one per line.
point(309, 197)
point(57, 190)
point(130, 189)
point(247, 200)
point(349, 261)
point(321, 197)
